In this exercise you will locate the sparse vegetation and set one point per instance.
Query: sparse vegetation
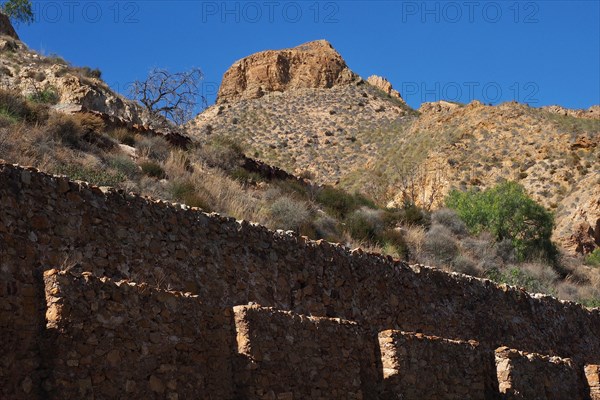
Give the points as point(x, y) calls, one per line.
point(593, 259)
point(45, 96)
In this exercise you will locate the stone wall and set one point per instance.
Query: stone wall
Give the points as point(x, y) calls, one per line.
point(291, 356)
point(109, 340)
point(21, 315)
point(49, 222)
point(524, 376)
point(416, 367)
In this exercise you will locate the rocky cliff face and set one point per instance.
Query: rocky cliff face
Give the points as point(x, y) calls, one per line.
point(384, 85)
point(310, 65)
point(6, 28)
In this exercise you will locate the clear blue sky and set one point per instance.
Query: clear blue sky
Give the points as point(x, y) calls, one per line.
point(538, 52)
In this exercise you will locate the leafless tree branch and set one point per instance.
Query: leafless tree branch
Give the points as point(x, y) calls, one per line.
point(170, 96)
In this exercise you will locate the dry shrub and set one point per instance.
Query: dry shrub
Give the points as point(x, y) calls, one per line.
point(155, 148)
point(178, 164)
point(415, 238)
point(221, 152)
point(76, 129)
point(287, 213)
point(14, 107)
point(90, 123)
point(466, 265)
point(440, 246)
point(226, 195)
point(65, 128)
point(326, 227)
point(450, 220)
point(123, 135)
point(568, 291)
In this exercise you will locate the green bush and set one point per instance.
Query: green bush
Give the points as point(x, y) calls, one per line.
point(339, 203)
point(365, 224)
point(152, 169)
point(326, 227)
point(186, 193)
point(124, 165)
point(46, 96)
point(593, 259)
point(508, 213)
point(409, 214)
point(393, 239)
point(246, 177)
point(95, 176)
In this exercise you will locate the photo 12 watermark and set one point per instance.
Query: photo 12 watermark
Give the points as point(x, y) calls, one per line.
point(93, 12)
point(252, 12)
point(452, 12)
point(465, 92)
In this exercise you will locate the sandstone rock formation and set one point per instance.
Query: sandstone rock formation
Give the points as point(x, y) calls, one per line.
point(592, 113)
point(6, 27)
point(310, 65)
point(438, 107)
point(383, 84)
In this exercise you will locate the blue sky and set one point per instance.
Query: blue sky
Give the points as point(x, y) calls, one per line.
point(536, 52)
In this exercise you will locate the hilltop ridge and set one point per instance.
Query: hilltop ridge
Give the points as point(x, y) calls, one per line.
point(310, 65)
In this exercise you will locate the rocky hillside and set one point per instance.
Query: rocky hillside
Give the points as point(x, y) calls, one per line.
point(318, 119)
point(361, 135)
point(51, 79)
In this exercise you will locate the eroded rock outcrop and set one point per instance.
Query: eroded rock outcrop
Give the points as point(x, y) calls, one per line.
point(310, 65)
point(592, 113)
point(384, 85)
point(438, 107)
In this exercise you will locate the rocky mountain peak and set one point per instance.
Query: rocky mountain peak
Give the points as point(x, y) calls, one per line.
point(311, 65)
point(6, 28)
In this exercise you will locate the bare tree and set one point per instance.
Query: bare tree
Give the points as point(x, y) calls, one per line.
point(170, 96)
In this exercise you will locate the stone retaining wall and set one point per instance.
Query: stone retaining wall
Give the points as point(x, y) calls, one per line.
point(109, 340)
point(291, 356)
point(416, 367)
point(525, 376)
